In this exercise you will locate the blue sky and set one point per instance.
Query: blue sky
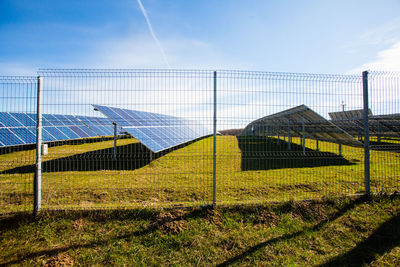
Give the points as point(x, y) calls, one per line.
point(291, 36)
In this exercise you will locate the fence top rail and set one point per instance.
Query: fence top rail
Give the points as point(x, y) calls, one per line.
point(18, 79)
point(383, 74)
point(120, 72)
point(221, 73)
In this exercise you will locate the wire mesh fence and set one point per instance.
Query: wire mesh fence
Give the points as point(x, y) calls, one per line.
point(17, 142)
point(290, 149)
point(94, 175)
point(384, 128)
point(136, 138)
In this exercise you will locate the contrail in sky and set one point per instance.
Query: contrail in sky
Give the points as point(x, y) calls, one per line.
point(153, 34)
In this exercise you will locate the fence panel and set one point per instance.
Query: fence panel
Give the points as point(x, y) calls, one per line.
point(17, 143)
point(88, 173)
point(384, 99)
point(283, 143)
point(136, 138)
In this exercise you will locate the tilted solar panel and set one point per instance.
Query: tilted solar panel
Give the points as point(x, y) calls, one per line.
point(157, 132)
point(294, 120)
point(20, 128)
point(8, 138)
point(102, 127)
point(9, 121)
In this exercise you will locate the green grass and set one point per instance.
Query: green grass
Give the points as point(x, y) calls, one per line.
point(338, 232)
point(84, 176)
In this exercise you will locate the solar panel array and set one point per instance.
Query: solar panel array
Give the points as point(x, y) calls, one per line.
point(379, 125)
point(292, 121)
point(20, 128)
point(156, 131)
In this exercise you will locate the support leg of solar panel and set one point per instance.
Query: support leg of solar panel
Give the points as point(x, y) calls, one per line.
point(379, 132)
point(289, 138)
point(340, 149)
point(317, 145)
point(304, 137)
point(279, 139)
point(115, 142)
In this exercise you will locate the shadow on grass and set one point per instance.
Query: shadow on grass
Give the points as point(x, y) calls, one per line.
point(385, 238)
point(336, 215)
point(261, 153)
point(129, 157)
point(12, 149)
point(385, 146)
point(100, 216)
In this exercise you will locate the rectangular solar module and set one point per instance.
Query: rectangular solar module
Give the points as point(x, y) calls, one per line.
point(157, 132)
point(291, 122)
point(20, 128)
point(379, 125)
point(102, 127)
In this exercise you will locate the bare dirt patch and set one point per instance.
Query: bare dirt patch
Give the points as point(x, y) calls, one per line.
point(171, 222)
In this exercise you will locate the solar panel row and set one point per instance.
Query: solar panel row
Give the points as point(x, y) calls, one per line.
point(381, 125)
point(291, 122)
point(156, 131)
point(20, 128)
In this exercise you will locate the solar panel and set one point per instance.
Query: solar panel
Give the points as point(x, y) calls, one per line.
point(348, 114)
point(102, 127)
point(157, 132)
point(379, 125)
point(385, 125)
point(8, 121)
point(24, 134)
point(20, 128)
point(8, 138)
point(292, 121)
point(24, 119)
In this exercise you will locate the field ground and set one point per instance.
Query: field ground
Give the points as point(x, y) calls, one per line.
point(337, 232)
point(84, 176)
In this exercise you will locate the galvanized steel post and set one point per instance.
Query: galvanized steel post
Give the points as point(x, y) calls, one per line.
point(37, 181)
point(215, 143)
point(367, 181)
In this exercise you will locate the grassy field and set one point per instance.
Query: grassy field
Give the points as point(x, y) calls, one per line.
point(82, 176)
point(337, 232)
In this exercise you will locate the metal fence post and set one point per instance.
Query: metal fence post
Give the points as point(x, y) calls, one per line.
point(37, 182)
point(215, 143)
point(366, 134)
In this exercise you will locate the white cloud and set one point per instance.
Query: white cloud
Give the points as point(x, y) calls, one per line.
point(386, 60)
